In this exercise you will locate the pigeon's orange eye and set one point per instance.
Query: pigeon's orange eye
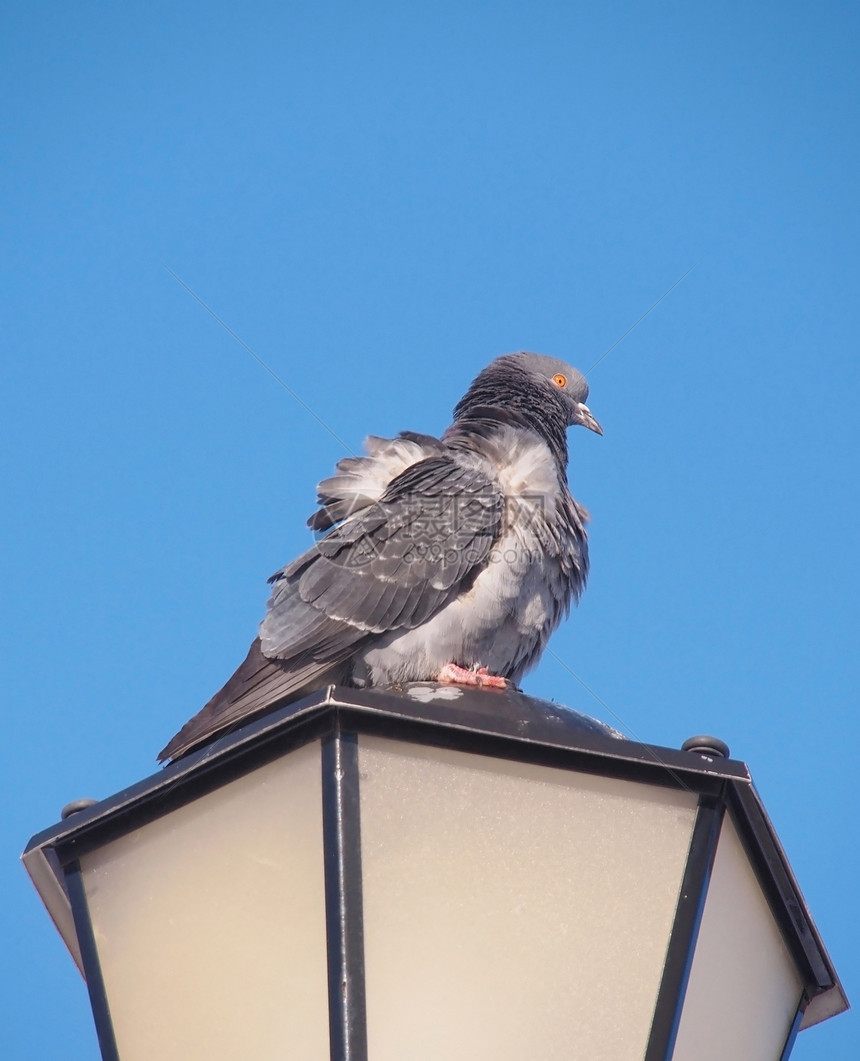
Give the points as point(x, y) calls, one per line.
point(559, 379)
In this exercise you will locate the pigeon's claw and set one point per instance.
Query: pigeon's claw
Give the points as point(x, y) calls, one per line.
point(463, 676)
point(491, 681)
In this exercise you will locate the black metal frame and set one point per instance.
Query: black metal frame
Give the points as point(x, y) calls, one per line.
point(822, 990)
point(344, 908)
point(793, 1030)
point(92, 966)
point(501, 724)
point(685, 929)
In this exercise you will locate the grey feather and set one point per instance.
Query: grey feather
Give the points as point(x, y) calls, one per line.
point(465, 549)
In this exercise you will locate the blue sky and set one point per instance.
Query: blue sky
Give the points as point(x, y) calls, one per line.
point(378, 199)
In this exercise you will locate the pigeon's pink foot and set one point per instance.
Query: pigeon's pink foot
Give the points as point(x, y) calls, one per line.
point(463, 676)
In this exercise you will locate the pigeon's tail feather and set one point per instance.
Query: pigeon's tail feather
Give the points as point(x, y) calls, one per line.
point(258, 685)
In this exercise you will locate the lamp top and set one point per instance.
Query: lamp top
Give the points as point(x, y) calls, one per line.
point(504, 723)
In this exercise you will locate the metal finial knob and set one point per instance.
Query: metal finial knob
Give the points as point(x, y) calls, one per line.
point(75, 806)
point(710, 746)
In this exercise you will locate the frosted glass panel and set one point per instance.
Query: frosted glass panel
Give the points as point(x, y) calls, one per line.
point(512, 911)
point(210, 923)
point(741, 968)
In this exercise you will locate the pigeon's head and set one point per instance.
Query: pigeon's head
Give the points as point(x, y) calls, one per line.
point(559, 379)
point(548, 393)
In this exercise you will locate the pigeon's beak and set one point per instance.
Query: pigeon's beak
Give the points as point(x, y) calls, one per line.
point(584, 417)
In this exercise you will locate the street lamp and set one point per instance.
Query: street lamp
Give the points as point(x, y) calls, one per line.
point(440, 873)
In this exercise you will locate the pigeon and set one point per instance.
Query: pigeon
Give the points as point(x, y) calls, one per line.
point(448, 559)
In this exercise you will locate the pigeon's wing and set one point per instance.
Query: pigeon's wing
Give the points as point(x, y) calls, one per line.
point(390, 565)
